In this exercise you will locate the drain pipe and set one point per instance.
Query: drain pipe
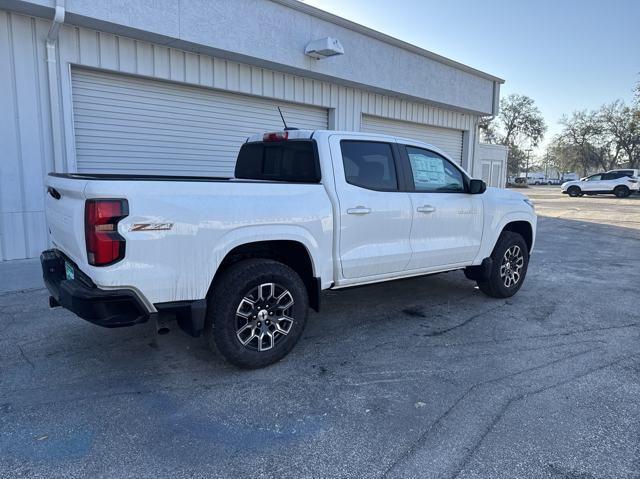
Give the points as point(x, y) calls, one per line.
point(54, 93)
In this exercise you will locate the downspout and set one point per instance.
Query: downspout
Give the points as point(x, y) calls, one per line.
point(54, 96)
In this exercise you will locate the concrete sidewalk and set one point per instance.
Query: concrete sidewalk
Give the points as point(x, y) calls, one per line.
point(20, 275)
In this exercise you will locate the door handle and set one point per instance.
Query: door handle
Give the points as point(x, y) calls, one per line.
point(359, 210)
point(426, 209)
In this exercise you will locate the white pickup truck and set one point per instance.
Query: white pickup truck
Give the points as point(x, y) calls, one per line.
point(242, 259)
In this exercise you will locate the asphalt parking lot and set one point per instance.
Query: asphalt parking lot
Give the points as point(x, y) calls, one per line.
point(417, 378)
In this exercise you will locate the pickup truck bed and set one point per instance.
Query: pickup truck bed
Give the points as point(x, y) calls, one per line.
point(121, 177)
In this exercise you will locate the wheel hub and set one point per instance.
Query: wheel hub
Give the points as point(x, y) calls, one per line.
point(511, 266)
point(264, 316)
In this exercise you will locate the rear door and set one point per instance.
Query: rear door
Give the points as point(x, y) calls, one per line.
point(375, 216)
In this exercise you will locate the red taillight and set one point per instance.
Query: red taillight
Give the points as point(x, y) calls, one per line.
point(104, 245)
point(276, 136)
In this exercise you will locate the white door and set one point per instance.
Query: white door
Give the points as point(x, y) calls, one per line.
point(491, 173)
point(447, 221)
point(126, 124)
point(485, 173)
point(375, 218)
point(592, 183)
point(448, 140)
point(496, 175)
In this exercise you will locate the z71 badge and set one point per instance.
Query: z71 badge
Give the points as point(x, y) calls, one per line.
point(151, 226)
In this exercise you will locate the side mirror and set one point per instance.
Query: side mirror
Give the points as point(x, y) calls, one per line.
point(477, 187)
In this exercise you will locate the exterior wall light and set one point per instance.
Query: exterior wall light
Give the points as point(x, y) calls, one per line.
point(324, 48)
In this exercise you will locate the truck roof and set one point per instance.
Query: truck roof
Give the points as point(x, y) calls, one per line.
point(311, 134)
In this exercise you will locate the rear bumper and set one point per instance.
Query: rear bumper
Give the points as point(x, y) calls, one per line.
point(108, 308)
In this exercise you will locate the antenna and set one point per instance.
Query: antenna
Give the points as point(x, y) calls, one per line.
point(286, 128)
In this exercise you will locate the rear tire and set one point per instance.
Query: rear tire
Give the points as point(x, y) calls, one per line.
point(621, 191)
point(574, 191)
point(256, 313)
point(510, 260)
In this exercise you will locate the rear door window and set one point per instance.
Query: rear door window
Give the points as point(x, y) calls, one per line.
point(369, 164)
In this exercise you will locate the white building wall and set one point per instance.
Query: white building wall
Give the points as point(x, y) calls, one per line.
point(492, 156)
point(28, 116)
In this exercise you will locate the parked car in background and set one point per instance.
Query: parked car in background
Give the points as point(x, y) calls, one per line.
point(243, 259)
point(555, 181)
point(611, 182)
point(570, 177)
point(537, 179)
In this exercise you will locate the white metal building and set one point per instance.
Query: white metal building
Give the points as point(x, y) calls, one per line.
point(168, 86)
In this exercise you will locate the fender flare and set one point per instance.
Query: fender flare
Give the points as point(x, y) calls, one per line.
point(253, 234)
point(496, 228)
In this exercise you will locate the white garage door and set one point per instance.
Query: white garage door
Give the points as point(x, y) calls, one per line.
point(448, 140)
point(126, 124)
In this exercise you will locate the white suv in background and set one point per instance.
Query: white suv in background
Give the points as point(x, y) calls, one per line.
point(618, 182)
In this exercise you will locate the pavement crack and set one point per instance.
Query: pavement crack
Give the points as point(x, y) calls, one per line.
point(462, 324)
point(503, 410)
point(26, 358)
point(423, 437)
point(21, 291)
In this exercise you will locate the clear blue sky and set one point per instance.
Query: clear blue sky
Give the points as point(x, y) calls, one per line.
point(566, 54)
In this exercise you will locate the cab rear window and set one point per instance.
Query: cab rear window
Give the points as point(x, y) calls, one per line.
point(291, 161)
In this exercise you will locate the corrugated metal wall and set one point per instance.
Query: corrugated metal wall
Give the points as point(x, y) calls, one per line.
point(127, 124)
point(447, 139)
point(26, 115)
point(26, 152)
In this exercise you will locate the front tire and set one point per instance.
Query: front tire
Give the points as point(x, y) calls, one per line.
point(574, 191)
point(257, 312)
point(510, 261)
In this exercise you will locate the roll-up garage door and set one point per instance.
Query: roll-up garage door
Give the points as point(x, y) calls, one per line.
point(448, 140)
point(127, 124)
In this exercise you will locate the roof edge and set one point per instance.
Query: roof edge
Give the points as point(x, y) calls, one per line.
point(370, 32)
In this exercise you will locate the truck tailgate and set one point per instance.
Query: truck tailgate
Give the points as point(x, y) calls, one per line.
point(65, 216)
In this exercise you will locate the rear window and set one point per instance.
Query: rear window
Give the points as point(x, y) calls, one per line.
point(294, 161)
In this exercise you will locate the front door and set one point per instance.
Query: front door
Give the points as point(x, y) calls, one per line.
point(447, 221)
point(592, 183)
point(375, 217)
